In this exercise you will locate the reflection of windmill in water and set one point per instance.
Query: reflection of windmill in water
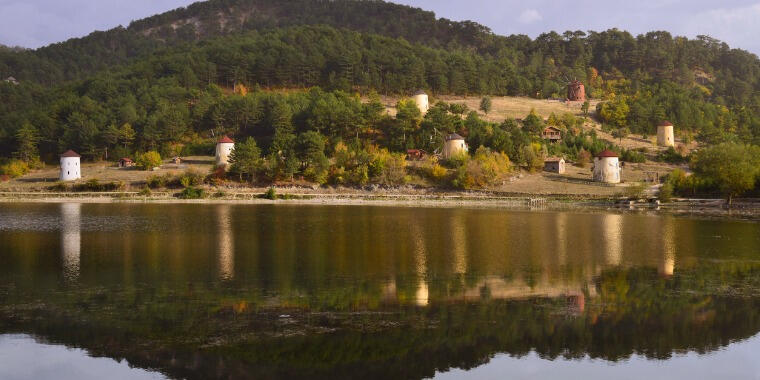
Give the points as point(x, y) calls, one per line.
point(225, 243)
point(668, 261)
point(422, 296)
point(419, 255)
point(612, 235)
point(71, 239)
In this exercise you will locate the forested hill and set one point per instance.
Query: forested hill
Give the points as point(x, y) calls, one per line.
point(166, 78)
point(729, 74)
point(79, 57)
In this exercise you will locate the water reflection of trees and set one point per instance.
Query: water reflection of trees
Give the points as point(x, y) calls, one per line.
point(218, 332)
point(391, 293)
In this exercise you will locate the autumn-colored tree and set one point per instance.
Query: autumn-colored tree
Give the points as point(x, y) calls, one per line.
point(149, 160)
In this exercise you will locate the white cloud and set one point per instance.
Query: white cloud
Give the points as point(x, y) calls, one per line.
point(530, 16)
point(738, 25)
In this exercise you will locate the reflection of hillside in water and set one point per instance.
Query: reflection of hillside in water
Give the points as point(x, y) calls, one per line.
point(333, 292)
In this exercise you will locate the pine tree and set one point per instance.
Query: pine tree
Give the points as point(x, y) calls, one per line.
point(27, 138)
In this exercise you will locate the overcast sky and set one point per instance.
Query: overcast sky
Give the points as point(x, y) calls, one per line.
point(35, 23)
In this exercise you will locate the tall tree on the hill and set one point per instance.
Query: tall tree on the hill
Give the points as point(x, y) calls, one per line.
point(27, 138)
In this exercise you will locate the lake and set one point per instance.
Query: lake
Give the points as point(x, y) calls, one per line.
point(207, 291)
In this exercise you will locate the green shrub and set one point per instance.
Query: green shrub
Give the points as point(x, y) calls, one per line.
point(94, 185)
point(192, 193)
point(190, 178)
point(59, 186)
point(458, 160)
point(388, 168)
point(352, 165)
point(270, 194)
point(149, 160)
point(671, 156)
point(630, 155)
point(484, 169)
point(145, 192)
point(157, 181)
point(316, 174)
point(635, 190)
point(433, 170)
point(14, 168)
point(534, 157)
point(583, 158)
point(666, 192)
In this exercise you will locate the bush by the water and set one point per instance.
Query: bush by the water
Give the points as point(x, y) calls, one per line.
point(94, 185)
point(485, 168)
point(355, 165)
point(666, 192)
point(192, 193)
point(190, 178)
point(58, 186)
point(187, 179)
point(270, 194)
point(158, 181)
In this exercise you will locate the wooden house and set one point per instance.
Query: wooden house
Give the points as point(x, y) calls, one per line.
point(126, 162)
point(552, 134)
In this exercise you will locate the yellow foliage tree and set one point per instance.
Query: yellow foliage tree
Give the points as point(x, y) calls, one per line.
point(240, 89)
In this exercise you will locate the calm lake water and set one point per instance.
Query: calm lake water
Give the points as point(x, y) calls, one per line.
point(263, 291)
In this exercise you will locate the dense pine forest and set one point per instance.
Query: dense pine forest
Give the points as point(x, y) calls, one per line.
point(175, 81)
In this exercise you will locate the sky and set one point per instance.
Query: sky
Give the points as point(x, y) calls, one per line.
point(35, 23)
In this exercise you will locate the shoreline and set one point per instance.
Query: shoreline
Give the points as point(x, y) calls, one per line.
point(703, 208)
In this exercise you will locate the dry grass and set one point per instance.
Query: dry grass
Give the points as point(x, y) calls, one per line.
point(518, 107)
point(105, 172)
point(577, 181)
point(502, 106)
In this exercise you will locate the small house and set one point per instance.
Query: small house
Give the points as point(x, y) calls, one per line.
point(11, 80)
point(126, 162)
point(415, 154)
point(552, 134)
point(555, 165)
point(453, 144)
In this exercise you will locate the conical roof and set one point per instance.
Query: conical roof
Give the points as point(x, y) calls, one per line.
point(454, 136)
point(70, 153)
point(226, 140)
point(607, 153)
point(420, 92)
point(665, 123)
